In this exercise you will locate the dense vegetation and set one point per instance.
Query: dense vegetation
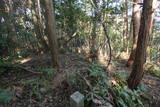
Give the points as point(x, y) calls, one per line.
point(108, 50)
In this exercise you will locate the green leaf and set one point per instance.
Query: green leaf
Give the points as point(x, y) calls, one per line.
point(125, 95)
point(122, 103)
point(4, 96)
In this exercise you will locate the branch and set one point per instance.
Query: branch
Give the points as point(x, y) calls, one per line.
point(25, 69)
point(22, 68)
point(72, 37)
point(86, 81)
point(141, 4)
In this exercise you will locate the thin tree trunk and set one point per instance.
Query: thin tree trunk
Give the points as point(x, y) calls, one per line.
point(51, 31)
point(136, 24)
point(39, 26)
point(93, 50)
point(143, 37)
point(9, 21)
point(126, 26)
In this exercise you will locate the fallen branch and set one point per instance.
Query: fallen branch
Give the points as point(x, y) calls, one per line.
point(20, 67)
point(141, 4)
point(10, 82)
point(86, 81)
point(28, 70)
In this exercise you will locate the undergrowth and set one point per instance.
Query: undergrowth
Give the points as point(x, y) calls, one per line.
point(95, 84)
point(101, 92)
point(153, 69)
point(4, 95)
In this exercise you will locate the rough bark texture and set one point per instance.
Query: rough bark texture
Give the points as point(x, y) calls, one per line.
point(143, 37)
point(93, 50)
point(7, 10)
point(136, 24)
point(51, 31)
point(126, 26)
point(38, 25)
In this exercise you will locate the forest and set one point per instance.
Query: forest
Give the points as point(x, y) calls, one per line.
point(79, 53)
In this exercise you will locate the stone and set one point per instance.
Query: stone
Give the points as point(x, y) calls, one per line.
point(77, 100)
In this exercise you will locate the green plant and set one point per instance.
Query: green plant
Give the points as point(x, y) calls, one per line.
point(35, 92)
point(120, 77)
point(5, 96)
point(39, 82)
point(5, 62)
point(49, 71)
point(126, 97)
point(156, 72)
point(99, 85)
point(103, 93)
point(153, 69)
point(72, 79)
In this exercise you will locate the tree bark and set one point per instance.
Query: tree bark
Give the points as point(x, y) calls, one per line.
point(51, 31)
point(136, 24)
point(126, 24)
point(8, 12)
point(38, 25)
point(143, 37)
point(93, 50)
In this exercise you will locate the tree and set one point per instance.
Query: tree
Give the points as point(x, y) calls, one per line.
point(38, 24)
point(143, 37)
point(125, 30)
point(93, 50)
point(51, 31)
point(136, 24)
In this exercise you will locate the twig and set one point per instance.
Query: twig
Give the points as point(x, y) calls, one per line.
point(72, 37)
point(156, 57)
point(20, 67)
point(8, 83)
point(29, 70)
point(137, 3)
point(87, 82)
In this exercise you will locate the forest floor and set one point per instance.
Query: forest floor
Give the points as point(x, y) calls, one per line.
point(34, 85)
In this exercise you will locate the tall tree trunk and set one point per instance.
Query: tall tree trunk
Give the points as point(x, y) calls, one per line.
point(136, 24)
point(8, 13)
point(51, 31)
point(126, 25)
point(93, 50)
point(39, 25)
point(143, 37)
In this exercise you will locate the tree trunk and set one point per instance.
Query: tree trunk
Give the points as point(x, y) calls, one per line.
point(136, 24)
point(143, 37)
point(126, 26)
point(38, 25)
point(51, 31)
point(93, 50)
point(8, 12)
